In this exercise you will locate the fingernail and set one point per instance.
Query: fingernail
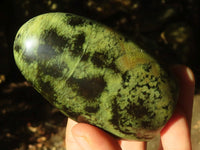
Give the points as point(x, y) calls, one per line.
point(190, 74)
point(83, 142)
point(184, 74)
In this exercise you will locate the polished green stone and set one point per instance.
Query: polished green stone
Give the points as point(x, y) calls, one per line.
point(95, 75)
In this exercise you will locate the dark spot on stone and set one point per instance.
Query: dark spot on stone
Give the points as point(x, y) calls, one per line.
point(147, 67)
point(98, 59)
point(79, 40)
point(69, 111)
point(152, 115)
point(118, 120)
point(92, 109)
point(47, 90)
point(76, 21)
point(119, 95)
point(140, 101)
point(18, 36)
point(17, 47)
point(132, 96)
point(126, 78)
point(137, 110)
point(103, 61)
point(90, 89)
point(77, 43)
point(113, 67)
point(85, 57)
point(165, 107)
point(51, 38)
point(28, 60)
point(54, 70)
point(116, 115)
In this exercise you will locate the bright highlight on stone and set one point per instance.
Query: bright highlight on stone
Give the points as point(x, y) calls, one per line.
point(95, 75)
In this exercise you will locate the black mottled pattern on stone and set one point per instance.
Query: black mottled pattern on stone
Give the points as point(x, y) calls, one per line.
point(76, 45)
point(137, 111)
point(141, 101)
point(90, 89)
point(18, 36)
point(92, 109)
point(118, 120)
point(76, 21)
point(146, 124)
point(17, 48)
point(147, 67)
point(116, 115)
point(102, 60)
point(52, 39)
point(54, 70)
point(70, 112)
point(140, 84)
point(166, 107)
point(85, 57)
point(99, 59)
point(55, 43)
point(126, 78)
point(46, 88)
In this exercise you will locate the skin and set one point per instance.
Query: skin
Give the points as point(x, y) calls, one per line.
point(174, 136)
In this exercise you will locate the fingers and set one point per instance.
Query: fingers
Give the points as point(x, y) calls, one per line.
point(71, 144)
point(92, 138)
point(175, 135)
point(186, 81)
point(87, 137)
point(136, 145)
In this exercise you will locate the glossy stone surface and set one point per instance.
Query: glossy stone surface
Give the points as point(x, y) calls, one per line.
point(93, 74)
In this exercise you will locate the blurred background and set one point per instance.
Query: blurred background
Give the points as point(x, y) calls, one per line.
point(168, 28)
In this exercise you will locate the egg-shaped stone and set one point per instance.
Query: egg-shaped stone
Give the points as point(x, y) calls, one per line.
point(95, 75)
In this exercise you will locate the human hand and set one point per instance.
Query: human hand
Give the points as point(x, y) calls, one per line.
point(174, 136)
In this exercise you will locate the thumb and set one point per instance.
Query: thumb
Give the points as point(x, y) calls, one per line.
point(92, 138)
